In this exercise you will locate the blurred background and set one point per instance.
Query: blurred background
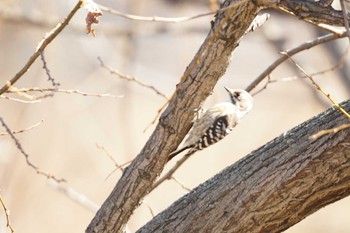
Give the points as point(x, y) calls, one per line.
point(73, 128)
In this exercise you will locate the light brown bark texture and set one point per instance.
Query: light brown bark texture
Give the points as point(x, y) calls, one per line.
point(272, 188)
point(199, 79)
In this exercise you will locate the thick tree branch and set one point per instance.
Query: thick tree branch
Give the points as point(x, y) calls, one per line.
point(202, 74)
point(272, 188)
point(316, 12)
point(208, 65)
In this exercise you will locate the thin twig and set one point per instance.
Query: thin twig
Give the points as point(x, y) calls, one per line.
point(168, 175)
point(292, 52)
point(328, 131)
point(20, 100)
point(149, 208)
point(181, 184)
point(292, 78)
point(29, 163)
point(79, 198)
point(109, 155)
point(130, 78)
point(159, 19)
point(156, 116)
point(23, 130)
point(327, 95)
point(49, 89)
point(7, 214)
point(41, 47)
point(49, 78)
point(48, 72)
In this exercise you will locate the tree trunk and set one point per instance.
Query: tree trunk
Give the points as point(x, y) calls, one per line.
point(272, 188)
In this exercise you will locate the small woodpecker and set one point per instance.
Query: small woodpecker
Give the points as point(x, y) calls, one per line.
point(216, 122)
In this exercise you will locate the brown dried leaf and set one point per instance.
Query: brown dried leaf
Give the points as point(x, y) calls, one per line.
point(92, 16)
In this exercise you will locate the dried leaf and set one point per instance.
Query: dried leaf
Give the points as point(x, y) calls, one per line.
point(92, 16)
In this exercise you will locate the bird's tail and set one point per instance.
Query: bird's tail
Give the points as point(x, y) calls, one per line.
point(173, 154)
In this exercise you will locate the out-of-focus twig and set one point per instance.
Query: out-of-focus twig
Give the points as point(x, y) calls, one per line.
point(79, 198)
point(29, 163)
point(327, 95)
point(181, 184)
point(7, 214)
point(328, 131)
point(109, 155)
point(130, 78)
point(168, 175)
point(55, 84)
point(292, 52)
point(157, 18)
point(49, 89)
point(23, 130)
point(20, 100)
point(41, 47)
point(149, 208)
point(339, 64)
point(156, 116)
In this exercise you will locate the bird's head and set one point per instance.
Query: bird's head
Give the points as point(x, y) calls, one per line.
point(242, 99)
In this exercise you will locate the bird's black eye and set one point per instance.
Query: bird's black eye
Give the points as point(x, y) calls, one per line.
point(236, 95)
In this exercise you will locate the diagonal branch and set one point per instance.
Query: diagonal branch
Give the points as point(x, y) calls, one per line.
point(208, 65)
point(270, 189)
point(199, 79)
point(316, 12)
point(292, 52)
point(41, 47)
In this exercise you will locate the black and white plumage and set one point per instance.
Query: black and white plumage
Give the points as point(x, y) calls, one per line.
point(216, 122)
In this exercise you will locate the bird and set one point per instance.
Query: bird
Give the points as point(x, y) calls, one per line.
point(216, 122)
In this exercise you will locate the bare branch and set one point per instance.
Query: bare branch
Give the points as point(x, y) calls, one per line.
point(329, 131)
point(181, 184)
point(109, 155)
point(292, 52)
point(41, 47)
point(156, 116)
point(49, 78)
point(23, 130)
point(132, 79)
point(149, 208)
point(7, 214)
point(157, 18)
point(169, 174)
point(30, 164)
point(77, 197)
point(20, 100)
point(327, 95)
point(339, 64)
point(49, 89)
point(272, 188)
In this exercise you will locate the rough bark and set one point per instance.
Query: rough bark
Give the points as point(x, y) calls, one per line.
point(202, 74)
point(199, 79)
point(272, 188)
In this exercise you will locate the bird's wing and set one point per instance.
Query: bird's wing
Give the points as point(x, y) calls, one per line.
point(207, 120)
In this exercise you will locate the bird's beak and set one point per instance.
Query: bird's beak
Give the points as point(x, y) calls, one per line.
point(229, 91)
